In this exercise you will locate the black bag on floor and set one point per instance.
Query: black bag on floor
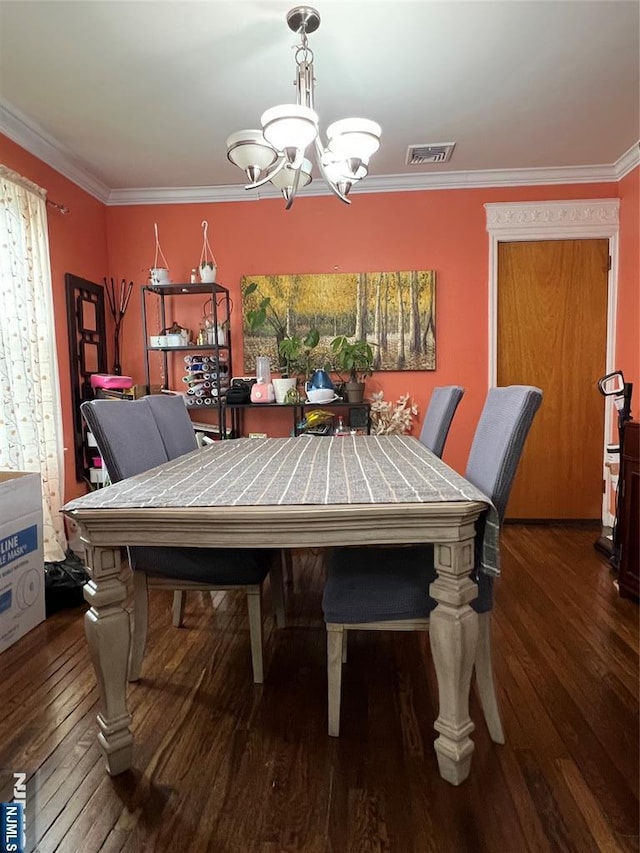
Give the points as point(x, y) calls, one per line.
point(63, 583)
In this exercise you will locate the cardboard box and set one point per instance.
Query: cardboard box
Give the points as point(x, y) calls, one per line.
point(21, 556)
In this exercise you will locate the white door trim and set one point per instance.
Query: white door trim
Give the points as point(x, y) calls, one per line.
point(557, 220)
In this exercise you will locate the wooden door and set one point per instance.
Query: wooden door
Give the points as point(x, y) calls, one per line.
point(552, 329)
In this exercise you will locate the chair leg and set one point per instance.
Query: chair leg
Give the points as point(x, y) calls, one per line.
point(345, 634)
point(484, 679)
point(277, 592)
point(254, 607)
point(335, 641)
point(178, 608)
point(140, 624)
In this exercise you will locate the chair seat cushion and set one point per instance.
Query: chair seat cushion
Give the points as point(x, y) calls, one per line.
point(224, 566)
point(378, 584)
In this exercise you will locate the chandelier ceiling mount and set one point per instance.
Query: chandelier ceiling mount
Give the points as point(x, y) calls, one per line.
point(276, 153)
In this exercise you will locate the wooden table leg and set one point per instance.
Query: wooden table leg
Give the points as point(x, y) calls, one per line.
point(453, 630)
point(108, 635)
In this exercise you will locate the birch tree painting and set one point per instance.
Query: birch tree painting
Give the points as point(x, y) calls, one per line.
point(394, 311)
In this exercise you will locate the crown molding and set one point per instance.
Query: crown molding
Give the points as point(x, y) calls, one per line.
point(190, 195)
point(37, 141)
point(628, 162)
point(383, 184)
point(553, 219)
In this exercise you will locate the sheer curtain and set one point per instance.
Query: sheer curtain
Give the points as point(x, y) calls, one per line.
point(30, 416)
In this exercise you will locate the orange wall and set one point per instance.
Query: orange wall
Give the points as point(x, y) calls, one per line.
point(628, 316)
point(442, 230)
point(77, 244)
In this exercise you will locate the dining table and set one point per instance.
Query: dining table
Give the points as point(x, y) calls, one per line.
point(284, 493)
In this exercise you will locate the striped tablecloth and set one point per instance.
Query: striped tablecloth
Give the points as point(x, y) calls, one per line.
point(303, 470)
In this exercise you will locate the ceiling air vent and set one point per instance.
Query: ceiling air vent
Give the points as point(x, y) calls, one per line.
point(437, 152)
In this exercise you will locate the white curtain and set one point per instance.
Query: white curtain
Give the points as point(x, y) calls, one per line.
point(30, 417)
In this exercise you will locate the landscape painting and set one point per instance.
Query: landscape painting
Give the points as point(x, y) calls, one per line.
point(393, 311)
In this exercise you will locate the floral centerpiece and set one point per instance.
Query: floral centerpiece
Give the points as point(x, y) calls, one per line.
point(389, 418)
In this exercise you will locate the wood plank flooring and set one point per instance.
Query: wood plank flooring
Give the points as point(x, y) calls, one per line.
point(223, 765)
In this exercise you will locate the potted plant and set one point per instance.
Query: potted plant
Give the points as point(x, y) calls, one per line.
point(208, 268)
point(354, 358)
point(208, 272)
point(295, 360)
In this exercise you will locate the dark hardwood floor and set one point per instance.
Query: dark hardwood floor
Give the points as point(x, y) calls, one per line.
point(226, 766)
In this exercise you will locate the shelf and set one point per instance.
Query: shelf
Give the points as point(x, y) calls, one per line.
point(334, 404)
point(182, 289)
point(251, 405)
point(299, 409)
point(189, 348)
point(209, 396)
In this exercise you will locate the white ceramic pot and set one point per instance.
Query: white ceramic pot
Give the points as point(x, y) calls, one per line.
point(174, 340)
point(159, 275)
point(208, 274)
point(281, 386)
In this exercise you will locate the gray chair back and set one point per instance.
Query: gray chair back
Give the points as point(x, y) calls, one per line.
point(174, 423)
point(499, 439)
point(127, 435)
point(442, 407)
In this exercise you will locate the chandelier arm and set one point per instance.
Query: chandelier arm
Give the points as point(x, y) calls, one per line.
point(294, 187)
point(334, 189)
point(267, 177)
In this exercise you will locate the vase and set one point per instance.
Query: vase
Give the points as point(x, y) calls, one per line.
point(281, 386)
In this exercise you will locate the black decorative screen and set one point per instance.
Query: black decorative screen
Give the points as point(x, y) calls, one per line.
point(87, 353)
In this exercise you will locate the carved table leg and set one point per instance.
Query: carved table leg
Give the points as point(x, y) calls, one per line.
point(453, 629)
point(108, 635)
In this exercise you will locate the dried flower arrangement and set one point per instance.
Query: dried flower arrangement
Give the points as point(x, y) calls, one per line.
point(389, 418)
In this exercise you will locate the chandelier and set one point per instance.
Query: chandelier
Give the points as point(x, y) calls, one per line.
point(277, 152)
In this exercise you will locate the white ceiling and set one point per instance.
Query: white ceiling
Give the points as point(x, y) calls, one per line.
point(144, 94)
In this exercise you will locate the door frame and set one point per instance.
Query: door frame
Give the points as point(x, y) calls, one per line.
point(582, 219)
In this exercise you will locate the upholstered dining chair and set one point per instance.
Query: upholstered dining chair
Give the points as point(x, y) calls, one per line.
point(130, 441)
point(442, 407)
point(390, 591)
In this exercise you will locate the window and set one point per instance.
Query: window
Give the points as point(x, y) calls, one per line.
point(30, 416)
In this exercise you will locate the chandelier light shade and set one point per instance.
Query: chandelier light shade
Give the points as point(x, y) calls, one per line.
point(276, 153)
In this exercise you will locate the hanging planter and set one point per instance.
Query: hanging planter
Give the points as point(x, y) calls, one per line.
point(158, 274)
point(208, 266)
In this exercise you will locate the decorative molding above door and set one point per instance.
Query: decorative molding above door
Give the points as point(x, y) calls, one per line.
point(553, 220)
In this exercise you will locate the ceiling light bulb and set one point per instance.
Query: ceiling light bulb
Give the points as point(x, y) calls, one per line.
point(285, 178)
point(354, 137)
point(249, 150)
point(340, 168)
point(290, 126)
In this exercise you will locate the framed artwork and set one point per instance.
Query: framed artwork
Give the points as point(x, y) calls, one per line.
point(393, 311)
